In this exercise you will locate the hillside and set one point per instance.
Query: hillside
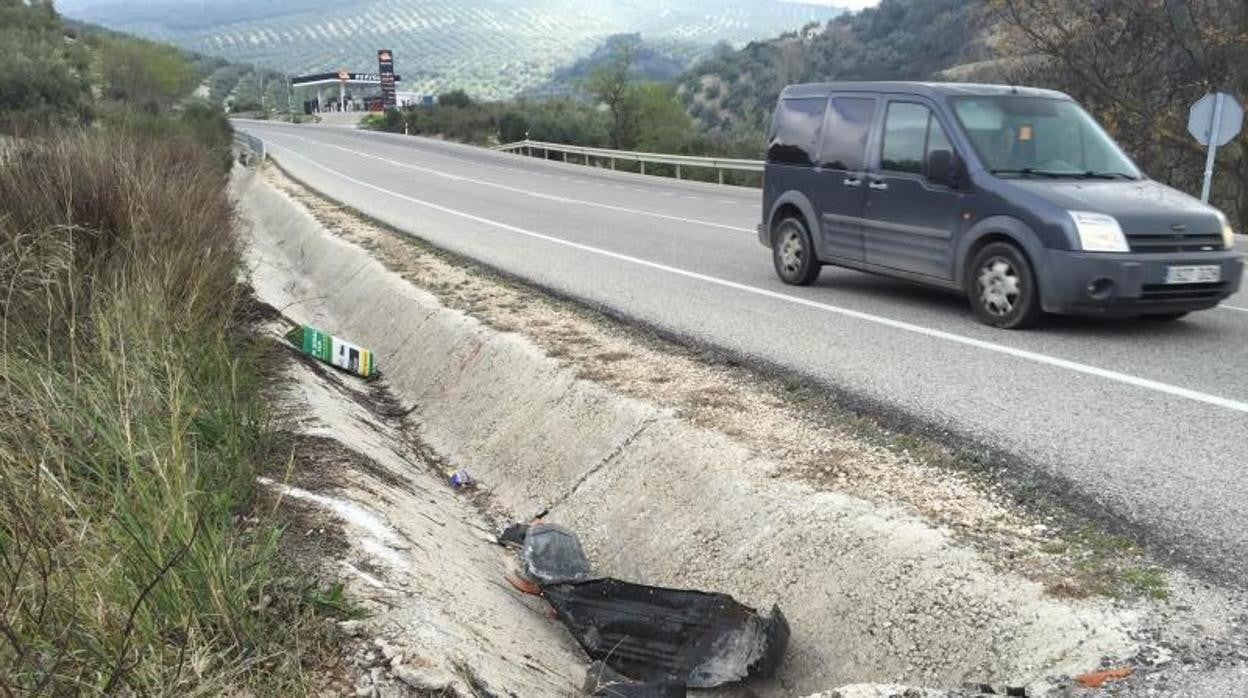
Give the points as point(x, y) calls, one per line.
point(491, 48)
point(898, 40)
point(658, 61)
point(220, 82)
point(1138, 80)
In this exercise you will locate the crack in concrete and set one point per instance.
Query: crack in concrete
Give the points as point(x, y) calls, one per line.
point(606, 460)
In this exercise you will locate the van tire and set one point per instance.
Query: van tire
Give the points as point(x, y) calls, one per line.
point(793, 253)
point(1002, 287)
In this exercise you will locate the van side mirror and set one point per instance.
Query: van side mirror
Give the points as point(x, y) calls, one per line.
point(945, 168)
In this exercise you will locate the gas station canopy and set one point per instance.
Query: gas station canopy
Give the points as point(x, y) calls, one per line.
point(338, 78)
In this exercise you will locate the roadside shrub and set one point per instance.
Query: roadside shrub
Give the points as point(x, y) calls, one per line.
point(131, 425)
point(45, 78)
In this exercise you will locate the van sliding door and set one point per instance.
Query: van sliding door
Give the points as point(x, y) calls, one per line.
point(839, 187)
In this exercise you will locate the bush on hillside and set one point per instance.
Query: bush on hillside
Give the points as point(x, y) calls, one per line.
point(46, 77)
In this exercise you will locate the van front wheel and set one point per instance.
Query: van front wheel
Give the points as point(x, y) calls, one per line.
point(1002, 288)
point(793, 253)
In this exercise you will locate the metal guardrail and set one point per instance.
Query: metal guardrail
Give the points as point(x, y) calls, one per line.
point(611, 157)
point(252, 143)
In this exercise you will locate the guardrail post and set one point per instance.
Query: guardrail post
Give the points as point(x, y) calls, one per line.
point(643, 166)
point(612, 164)
point(721, 175)
point(678, 172)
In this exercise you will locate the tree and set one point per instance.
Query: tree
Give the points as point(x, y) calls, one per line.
point(455, 98)
point(1138, 65)
point(148, 76)
point(513, 126)
point(663, 125)
point(611, 84)
point(45, 76)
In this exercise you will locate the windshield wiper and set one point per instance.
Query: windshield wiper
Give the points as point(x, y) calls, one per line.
point(1105, 175)
point(1030, 171)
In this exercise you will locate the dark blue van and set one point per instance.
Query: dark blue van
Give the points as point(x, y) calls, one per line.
point(1014, 196)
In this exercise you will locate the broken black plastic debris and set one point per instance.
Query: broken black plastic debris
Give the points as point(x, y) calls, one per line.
point(658, 640)
point(552, 554)
point(653, 634)
point(513, 535)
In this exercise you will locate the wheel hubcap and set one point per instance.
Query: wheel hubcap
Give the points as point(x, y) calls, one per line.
point(791, 252)
point(999, 286)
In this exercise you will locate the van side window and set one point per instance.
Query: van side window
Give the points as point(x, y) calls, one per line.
point(911, 133)
point(905, 137)
point(844, 144)
point(795, 131)
point(936, 138)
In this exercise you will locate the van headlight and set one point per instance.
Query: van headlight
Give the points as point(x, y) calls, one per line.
point(1099, 232)
point(1228, 235)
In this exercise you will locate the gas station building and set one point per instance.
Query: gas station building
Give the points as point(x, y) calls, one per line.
point(356, 91)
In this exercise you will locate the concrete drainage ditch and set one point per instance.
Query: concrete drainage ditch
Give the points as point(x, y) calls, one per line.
point(872, 593)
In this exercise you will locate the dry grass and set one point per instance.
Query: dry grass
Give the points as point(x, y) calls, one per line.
point(131, 426)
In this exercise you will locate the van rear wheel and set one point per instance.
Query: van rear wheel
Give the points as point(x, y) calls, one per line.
point(1002, 288)
point(793, 253)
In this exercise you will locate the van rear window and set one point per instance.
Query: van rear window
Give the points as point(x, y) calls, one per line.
point(795, 131)
point(845, 136)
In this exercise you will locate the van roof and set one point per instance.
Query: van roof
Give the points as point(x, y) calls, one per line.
point(926, 89)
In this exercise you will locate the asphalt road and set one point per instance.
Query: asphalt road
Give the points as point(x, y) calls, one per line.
point(1145, 422)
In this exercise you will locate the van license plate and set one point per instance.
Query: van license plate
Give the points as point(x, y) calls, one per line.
point(1205, 274)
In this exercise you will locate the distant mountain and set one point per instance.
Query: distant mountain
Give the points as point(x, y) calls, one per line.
point(897, 40)
point(660, 61)
point(491, 48)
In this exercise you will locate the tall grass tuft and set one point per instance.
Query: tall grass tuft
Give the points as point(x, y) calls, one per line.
point(131, 424)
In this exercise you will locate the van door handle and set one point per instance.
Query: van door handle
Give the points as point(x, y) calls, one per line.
point(852, 182)
point(879, 186)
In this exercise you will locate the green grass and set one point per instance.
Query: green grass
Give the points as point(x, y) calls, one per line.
point(334, 602)
point(131, 428)
point(1146, 581)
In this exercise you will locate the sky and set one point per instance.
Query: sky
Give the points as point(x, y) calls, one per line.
point(847, 4)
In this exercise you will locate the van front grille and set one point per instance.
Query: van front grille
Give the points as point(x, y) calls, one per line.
point(1174, 242)
point(1182, 292)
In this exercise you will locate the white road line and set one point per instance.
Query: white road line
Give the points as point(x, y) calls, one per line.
point(526, 192)
point(1234, 307)
point(1034, 357)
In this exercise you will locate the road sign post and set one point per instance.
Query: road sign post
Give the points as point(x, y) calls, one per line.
point(1213, 122)
point(385, 68)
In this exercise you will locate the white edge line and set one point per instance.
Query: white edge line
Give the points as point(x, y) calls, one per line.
point(1124, 378)
point(526, 192)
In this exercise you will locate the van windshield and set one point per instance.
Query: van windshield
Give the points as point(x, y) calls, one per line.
point(1040, 136)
